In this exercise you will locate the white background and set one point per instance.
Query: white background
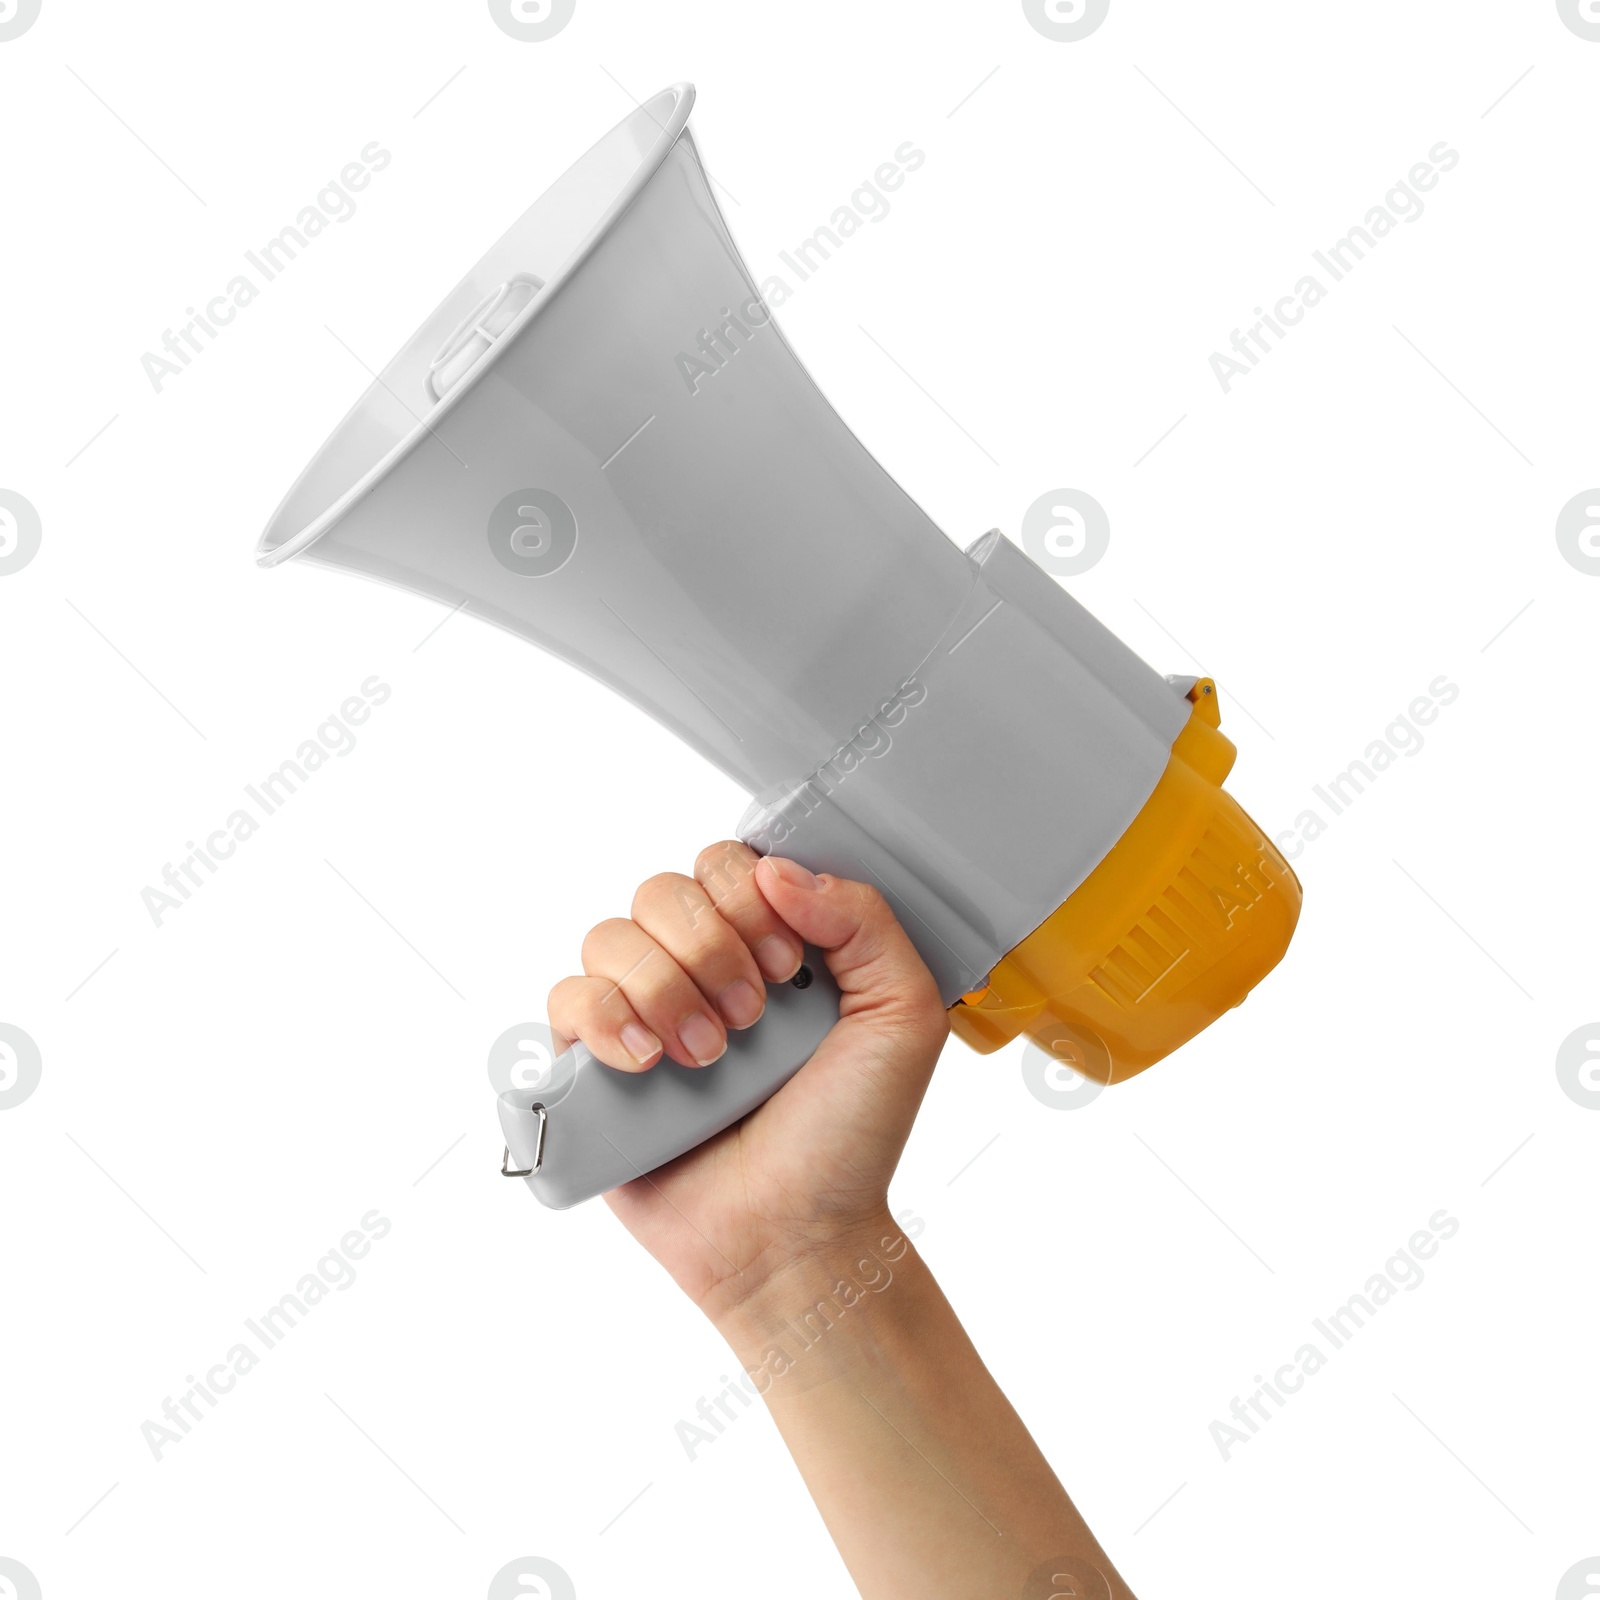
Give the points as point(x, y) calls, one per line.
point(1373, 507)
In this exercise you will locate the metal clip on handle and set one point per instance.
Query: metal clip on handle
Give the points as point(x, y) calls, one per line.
point(591, 1127)
point(506, 1169)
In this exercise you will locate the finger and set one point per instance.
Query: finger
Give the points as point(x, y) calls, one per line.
point(726, 872)
point(596, 1011)
point(879, 973)
point(665, 997)
point(678, 914)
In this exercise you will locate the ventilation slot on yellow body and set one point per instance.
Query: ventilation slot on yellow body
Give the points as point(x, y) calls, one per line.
point(1188, 911)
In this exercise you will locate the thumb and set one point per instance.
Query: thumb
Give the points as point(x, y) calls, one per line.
point(882, 980)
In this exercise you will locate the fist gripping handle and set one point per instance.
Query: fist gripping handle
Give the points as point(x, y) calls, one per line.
point(1042, 812)
point(593, 1127)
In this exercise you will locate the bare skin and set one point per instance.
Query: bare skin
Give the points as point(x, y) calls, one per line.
point(779, 1230)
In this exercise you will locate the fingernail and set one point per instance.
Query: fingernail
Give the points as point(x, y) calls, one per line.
point(702, 1038)
point(793, 873)
point(640, 1042)
point(777, 957)
point(739, 1004)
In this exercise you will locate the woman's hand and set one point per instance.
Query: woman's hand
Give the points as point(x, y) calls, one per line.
point(807, 1171)
point(926, 1477)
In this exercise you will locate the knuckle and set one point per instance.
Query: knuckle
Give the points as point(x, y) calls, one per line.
point(932, 1007)
point(705, 933)
point(655, 982)
point(663, 883)
point(930, 1002)
point(606, 1003)
point(924, 1012)
point(603, 935)
point(705, 965)
point(875, 910)
point(664, 890)
point(724, 867)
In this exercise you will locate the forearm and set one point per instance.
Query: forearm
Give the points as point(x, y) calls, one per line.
point(926, 1478)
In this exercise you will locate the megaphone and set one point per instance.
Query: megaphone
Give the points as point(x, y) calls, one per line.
point(602, 442)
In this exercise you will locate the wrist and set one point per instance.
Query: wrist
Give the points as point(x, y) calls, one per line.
point(805, 1287)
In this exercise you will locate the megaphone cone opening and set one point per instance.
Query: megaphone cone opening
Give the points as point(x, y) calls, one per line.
point(476, 322)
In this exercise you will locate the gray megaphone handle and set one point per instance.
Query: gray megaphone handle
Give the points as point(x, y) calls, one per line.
point(593, 1127)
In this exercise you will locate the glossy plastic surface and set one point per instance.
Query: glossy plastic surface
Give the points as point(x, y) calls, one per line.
point(1189, 910)
point(602, 442)
point(714, 544)
point(606, 1127)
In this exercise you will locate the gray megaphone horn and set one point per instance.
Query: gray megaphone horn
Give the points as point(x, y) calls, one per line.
point(1041, 809)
